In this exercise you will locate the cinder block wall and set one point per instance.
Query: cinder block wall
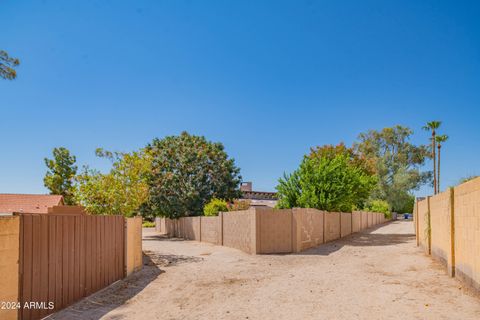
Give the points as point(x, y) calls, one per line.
point(449, 225)
point(467, 232)
point(332, 226)
point(239, 230)
point(356, 221)
point(267, 230)
point(133, 245)
point(274, 230)
point(423, 225)
point(211, 229)
point(307, 228)
point(364, 220)
point(9, 257)
point(345, 224)
point(440, 222)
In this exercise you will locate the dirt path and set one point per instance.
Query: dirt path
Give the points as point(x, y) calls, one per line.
point(379, 274)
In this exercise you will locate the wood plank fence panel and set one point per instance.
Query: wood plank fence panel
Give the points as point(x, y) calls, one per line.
point(64, 258)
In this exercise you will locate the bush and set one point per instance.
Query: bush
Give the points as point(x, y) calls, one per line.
point(214, 207)
point(326, 183)
point(148, 224)
point(380, 206)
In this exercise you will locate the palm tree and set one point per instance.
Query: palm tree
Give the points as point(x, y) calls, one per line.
point(433, 126)
point(439, 140)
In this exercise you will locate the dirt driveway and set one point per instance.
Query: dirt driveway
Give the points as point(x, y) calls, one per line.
point(378, 274)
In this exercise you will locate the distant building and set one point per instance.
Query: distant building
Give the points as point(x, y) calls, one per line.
point(29, 203)
point(258, 198)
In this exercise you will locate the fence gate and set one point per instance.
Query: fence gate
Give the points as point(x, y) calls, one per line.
point(64, 258)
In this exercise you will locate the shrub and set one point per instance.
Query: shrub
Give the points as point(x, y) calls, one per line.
point(326, 183)
point(380, 206)
point(238, 205)
point(214, 207)
point(148, 224)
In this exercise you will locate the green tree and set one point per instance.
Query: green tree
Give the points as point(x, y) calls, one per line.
point(124, 190)
point(7, 65)
point(433, 127)
point(397, 161)
point(329, 178)
point(187, 172)
point(440, 140)
point(378, 206)
point(60, 175)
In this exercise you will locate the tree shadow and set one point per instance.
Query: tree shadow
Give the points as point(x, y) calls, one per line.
point(361, 239)
point(159, 237)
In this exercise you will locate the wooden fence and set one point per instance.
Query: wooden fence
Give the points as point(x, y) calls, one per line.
point(66, 257)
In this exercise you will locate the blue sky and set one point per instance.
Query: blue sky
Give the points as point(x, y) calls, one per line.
point(269, 79)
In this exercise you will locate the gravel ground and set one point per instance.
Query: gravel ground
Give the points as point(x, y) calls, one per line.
point(377, 274)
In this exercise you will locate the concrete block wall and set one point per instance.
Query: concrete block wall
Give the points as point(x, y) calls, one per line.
point(467, 232)
point(267, 230)
point(239, 230)
point(307, 228)
point(447, 226)
point(274, 230)
point(332, 226)
point(133, 245)
point(211, 229)
point(9, 259)
point(345, 224)
point(356, 221)
point(441, 231)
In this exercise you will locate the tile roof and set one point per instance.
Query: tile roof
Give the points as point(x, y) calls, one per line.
point(28, 203)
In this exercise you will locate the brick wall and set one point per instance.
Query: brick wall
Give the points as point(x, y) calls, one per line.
point(274, 230)
point(356, 221)
point(211, 229)
point(307, 228)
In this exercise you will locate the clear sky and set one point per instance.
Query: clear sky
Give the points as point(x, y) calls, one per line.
point(269, 79)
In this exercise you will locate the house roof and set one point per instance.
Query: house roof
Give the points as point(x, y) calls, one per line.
point(28, 203)
point(259, 195)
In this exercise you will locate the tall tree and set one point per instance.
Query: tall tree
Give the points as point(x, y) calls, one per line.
point(7, 66)
point(433, 127)
point(124, 190)
point(187, 172)
point(397, 163)
point(60, 176)
point(439, 139)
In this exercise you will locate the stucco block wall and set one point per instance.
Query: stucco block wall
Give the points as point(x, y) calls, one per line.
point(211, 229)
point(364, 220)
point(356, 221)
point(9, 259)
point(307, 228)
point(275, 230)
point(346, 224)
point(440, 222)
point(369, 219)
point(133, 245)
point(239, 230)
point(332, 226)
point(190, 228)
point(423, 228)
point(467, 232)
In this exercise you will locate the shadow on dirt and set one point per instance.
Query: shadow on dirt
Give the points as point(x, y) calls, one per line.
point(362, 239)
point(99, 304)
